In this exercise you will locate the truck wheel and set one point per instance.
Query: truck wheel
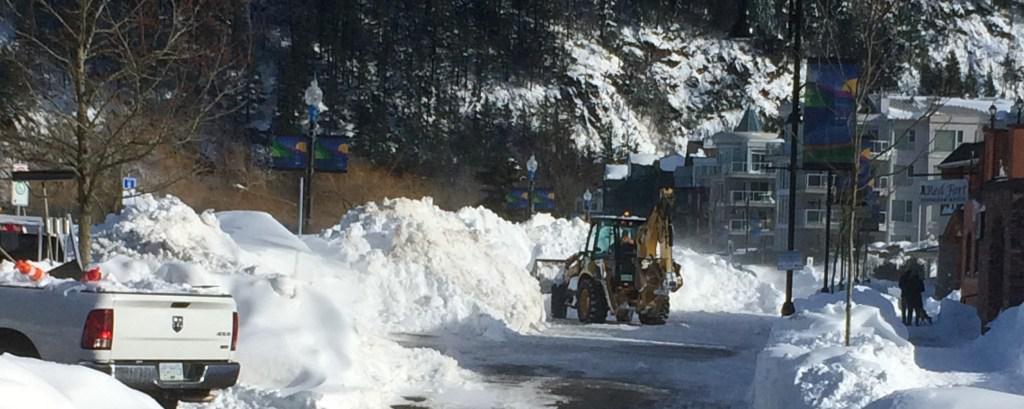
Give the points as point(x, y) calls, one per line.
point(658, 315)
point(558, 307)
point(591, 305)
point(14, 343)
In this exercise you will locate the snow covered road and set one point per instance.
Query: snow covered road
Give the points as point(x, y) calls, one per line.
point(697, 360)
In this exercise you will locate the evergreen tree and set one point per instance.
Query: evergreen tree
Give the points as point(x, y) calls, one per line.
point(952, 82)
point(970, 82)
point(989, 86)
point(1011, 72)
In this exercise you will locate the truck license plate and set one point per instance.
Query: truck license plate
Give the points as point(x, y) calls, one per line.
point(172, 372)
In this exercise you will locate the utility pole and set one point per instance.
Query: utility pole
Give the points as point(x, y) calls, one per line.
point(795, 21)
point(313, 98)
point(828, 229)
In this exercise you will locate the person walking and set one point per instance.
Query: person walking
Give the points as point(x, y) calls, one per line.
point(917, 299)
point(906, 308)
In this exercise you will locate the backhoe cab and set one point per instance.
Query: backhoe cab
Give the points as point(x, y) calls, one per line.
point(626, 267)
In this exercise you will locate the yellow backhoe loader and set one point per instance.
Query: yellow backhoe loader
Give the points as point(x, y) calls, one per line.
point(625, 268)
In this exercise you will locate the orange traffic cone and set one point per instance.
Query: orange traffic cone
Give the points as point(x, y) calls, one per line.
point(30, 270)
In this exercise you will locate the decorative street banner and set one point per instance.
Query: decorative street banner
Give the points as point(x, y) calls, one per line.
point(331, 154)
point(288, 152)
point(944, 191)
point(519, 198)
point(828, 114)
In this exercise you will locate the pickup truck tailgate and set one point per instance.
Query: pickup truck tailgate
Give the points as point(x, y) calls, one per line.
point(172, 327)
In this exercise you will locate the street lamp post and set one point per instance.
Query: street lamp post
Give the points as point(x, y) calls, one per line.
point(1019, 106)
point(531, 174)
point(313, 98)
point(587, 196)
point(992, 110)
point(795, 21)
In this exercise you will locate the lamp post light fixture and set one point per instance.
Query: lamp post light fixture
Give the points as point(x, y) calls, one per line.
point(531, 174)
point(1019, 106)
point(992, 110)
point(313, 98)
point(587, 197)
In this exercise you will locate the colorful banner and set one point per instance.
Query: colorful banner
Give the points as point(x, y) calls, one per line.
point(519, 198)
point(828, 114)
point(288, 152)
point(331, 154)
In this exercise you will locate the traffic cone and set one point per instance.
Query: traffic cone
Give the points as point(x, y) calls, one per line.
point(30, 270)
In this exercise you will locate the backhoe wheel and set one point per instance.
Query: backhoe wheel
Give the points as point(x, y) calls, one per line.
point(657, 315)
point(591, 306)
point(624, 315)
point(558, 307)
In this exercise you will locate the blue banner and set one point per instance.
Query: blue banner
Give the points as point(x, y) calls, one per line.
point(331, 154)
point(828, 114)
point(519, 198)
point(288, 152)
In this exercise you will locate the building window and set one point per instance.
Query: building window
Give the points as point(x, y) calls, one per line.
point(883, 182)
point(903, 210)
point(816, 180)
point(947, 141)
point(814, 217)
point(759, 161)
point(948, 209)
point(738, 225)
point(905, 139)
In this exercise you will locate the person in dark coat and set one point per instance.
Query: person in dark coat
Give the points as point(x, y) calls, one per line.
point(917, 299)
point(906, 308)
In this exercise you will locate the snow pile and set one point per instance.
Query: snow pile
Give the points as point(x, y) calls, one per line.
point(31, 383)
point(434, 268)
point(1000, 349)
point(317, 312)
point(711, 283)
point(805, 364)
point(168, 229)
point(949, 398)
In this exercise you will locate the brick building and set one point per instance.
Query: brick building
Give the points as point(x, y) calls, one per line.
point(980, 249)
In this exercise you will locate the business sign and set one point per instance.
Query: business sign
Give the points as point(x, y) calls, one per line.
point(519, 198)
point(943, 191)
point(790, 260)
point(829, 114)
point(19, 189)
point(289, 152)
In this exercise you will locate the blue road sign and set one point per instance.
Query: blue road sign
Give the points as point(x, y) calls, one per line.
point(129, 183)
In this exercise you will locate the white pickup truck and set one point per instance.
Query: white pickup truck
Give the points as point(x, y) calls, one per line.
point(174, 347)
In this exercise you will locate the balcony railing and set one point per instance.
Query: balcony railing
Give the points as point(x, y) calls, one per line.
point(741, 197)
point(756, 168)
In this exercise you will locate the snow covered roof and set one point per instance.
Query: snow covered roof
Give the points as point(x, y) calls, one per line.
point(616, 172)
point(644, 159)
point(912, 107)
point(671, 162)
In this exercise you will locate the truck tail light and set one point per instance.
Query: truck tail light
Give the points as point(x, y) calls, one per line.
point(234, 331)
point(98, 333)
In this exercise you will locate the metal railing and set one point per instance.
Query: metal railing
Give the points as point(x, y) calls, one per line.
point(757, 168)
point(740, 197)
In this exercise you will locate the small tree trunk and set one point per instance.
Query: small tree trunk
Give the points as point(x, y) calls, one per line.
point(85, 237)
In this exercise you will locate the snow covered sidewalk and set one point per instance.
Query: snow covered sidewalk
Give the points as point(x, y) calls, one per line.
point(805, 364)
